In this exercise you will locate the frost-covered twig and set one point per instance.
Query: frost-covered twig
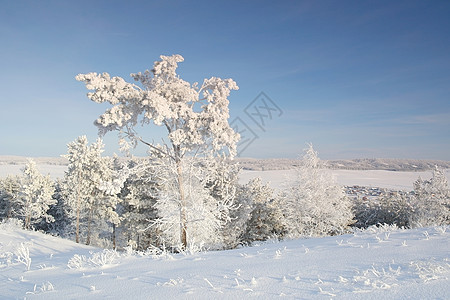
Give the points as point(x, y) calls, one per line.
point(23, 255)
point(326, 293)
point(97, 259)
point(45, 287)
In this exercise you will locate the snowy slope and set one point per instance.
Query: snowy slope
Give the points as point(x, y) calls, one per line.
point(374, 264)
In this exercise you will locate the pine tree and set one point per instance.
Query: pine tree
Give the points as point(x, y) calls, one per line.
point(89, 189)
point(265, 217)
point(137, 209)
point(315, 205)
point(61, 224)
point(9, 191)
point(35, 196)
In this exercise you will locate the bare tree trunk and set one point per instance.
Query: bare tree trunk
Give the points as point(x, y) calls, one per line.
point(114, 236)
point(10, 201)
point(27, 222)
point(77, 233)
point(28, 214)
point(77, 230)
point(183, 219)
point(9, 209)
point(88, 238)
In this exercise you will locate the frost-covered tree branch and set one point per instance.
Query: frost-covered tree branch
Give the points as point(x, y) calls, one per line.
point(194, 117)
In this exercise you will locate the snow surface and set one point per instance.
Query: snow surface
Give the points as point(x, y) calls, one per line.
point(383, 263)
point(55, 171)
point(395, 180)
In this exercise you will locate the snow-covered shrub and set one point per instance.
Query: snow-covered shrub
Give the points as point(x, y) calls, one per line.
point(432, 200)
point(44, 287)
point(377, 229)
point(158, 252)
point(390, 208)
point(97, 259)
point(315, 205)
point(5, 258)
point(431, 269)
point(11, 224)
point(377, 278)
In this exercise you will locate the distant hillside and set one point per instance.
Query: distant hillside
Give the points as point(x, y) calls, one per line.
point(283, 163)
point(20, 160)
point(353, 164)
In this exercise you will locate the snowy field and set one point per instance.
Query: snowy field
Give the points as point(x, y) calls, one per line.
point(396, 180)
point(377, 264)
point(55, 171)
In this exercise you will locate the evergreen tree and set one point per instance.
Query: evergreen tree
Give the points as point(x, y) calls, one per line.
point(35, 196)
point(432, 200)
point(315, 205)
point(90, 190)
point(137, 209)
point(266, 219)
point(9, 191)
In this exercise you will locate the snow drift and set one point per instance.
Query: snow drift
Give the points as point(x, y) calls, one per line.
point(378, 263)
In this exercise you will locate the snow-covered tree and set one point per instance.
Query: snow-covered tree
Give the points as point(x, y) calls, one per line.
point(9, 191)
point(234, 230)
point(315, 205)
point(223, 186)
point(35, 195)
point(58, 212)
point(195, 117)
point(77, 186)
point(137, 207)
point(432, 199)
point(265, 218)
point(205, 215)
point(88, 188)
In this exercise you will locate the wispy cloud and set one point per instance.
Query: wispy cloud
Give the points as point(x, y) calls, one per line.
point(425, 119)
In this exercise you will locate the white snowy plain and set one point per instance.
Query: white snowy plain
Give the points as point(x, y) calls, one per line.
point(395, 180)
point(382, 263)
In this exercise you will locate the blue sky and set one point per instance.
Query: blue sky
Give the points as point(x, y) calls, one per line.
point(358, 79)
